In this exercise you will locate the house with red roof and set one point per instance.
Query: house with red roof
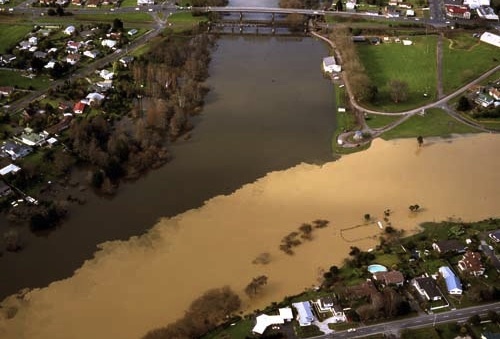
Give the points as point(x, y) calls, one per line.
point(79, 107)
point(457, 11)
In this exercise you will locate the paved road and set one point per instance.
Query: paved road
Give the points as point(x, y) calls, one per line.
point(460, 315)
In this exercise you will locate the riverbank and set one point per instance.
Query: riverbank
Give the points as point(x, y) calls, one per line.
point(148, 281)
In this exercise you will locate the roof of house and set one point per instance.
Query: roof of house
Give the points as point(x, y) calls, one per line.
point(451, 245)
point(304, 310)
point(495, 235)
point(79, 106)
point(471, 261)
point(328, 300)
point(390, 277)
point(452, 281)
point(456, 9)
point(429, 286)
point(9, 169)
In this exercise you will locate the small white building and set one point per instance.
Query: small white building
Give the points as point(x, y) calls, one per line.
point(305, 316)
point(9, 169)
point(109, 43)
point(473, 4)
point(106, 75)
point(145, 2)
point(330, 65)
point(490, 38)
point(92, 54)
point(70, 30)
point(407, 42)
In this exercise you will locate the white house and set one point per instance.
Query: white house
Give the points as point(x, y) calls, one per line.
point(264, 320)
point(9, 169)
point(50, 65)
point(145, 2)
point(330, 65)
point(133, 31)
point(91, 54)
point(33, 40)
point(490, 38)
point(69, 30)
point(452, 282)
point(473, 4)
point(104, 85)
point(305, 316)
point(94, 98)
point(106, 75)
point(109, 43)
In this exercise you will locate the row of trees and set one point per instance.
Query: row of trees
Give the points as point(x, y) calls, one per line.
point(204, 314)
point(362, 87)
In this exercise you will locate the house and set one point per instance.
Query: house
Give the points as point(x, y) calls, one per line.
point(448, 246)
point(7, 58)
point(104, 85)
point(326, 304)
point(350, 5)
point(490, 38)
point(305, 316)
point(495, 93)
point(495, 236)
point(263, 321)
point(126, 60)
point(70, 30)
point(79, 107)
point(457, 11)
point(24, 45)
point(73, 46)
point(93, 3)
point(94, 99)
point(109, 43)
point(484, 100)
point(9, 169)
point(106, 75)
point(50, 65)
point(452, 282)
point(410, 12)
point(390, 278)
point(28, 137)
point(72, 59)
point(92, 54)
point(15, 150)
point(6, 91)
point(487, 13)
point(471, 263)
point(40, 54)
point(145, 2)
point(473, 4)
point(330, 65)
point(426, 287)
point(4, 189)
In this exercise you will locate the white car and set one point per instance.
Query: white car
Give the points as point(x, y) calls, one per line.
point(137, 9)
point(351, 330)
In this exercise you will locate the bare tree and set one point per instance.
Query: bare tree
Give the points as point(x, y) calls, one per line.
point(398, 90)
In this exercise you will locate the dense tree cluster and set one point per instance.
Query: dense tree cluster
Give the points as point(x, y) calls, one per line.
point(204, 314)
point(253, 288)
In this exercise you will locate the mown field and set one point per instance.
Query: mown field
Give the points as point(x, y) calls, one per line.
point(11, 34)
point(433, 123)
point(415, 64)
point(465, 58)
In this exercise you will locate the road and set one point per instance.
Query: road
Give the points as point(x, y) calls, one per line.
point(394, 327)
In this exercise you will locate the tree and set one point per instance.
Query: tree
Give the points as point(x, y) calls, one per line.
point(398, 90)
point(117, 25)
point(493, 316)
point(475, 320)
point(306, 230)
point(255, 285)
point(463, 104)
point(338, 6)
point(420, 140)
point(367, 217)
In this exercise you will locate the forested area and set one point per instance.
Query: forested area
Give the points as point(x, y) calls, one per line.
point(163, 89)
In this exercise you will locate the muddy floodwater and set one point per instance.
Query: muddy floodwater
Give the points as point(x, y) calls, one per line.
point(133, 286)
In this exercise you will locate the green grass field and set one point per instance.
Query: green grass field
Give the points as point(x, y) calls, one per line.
point(378, 121)
point(434, 123)
point(415, 64)
point(241, 329)
point(9, 78)
point(12, 34)
point(464, 59)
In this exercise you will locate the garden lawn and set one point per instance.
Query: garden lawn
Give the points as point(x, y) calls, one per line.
point(464, 59)
point(435, 123)
point(11, 35)
point(241, 329)
point(10, 78)
point(378, 121)
point(415, 64)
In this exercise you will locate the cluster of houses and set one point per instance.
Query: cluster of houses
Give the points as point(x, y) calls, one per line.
point(305, 315)
point(471, 263)
point(486, 97)
point(466, 8)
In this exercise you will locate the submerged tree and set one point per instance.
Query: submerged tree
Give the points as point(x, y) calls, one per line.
point(255, 285)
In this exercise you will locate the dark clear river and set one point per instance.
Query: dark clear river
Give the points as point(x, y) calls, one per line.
point(269, 108)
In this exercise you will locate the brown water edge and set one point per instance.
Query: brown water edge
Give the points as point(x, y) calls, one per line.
point(133, 286)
